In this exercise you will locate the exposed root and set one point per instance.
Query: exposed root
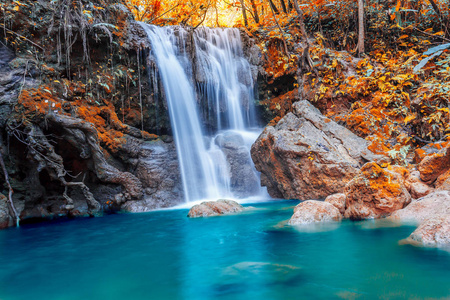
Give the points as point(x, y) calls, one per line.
point(43, 152)
point(103, 170)
point(11, 191)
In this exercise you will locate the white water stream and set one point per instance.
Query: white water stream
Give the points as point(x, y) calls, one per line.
point(217, 165)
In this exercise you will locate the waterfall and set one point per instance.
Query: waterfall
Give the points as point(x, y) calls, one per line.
point(211, 114)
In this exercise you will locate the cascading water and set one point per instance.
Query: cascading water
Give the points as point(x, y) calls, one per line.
point(216, 165)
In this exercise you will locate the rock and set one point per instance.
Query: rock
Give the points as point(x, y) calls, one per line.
point(421, 153)
point(434, 232)
point(308, 156)
point(158, 170)
point(251, 270)
point(433, 166)
point(5, 218)
point(243, 179)
point(416, 187)
point(214, 208)
point(375, 193)
point(338, 201)
point(312, 211)
point(434, 204)
point(443, 181)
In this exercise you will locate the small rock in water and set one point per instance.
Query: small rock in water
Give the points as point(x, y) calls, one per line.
point(312, 211)
point(214, 208)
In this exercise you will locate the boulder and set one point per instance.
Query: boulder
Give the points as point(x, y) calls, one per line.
point(434, 204)
point(307, 155)
point(158, 170)
point(375, 193)
point(433, 166)
point(215, 208)
point(434, 232)
point(312, 211)
point(416, 187)
point(5, 218)
point(338, 201)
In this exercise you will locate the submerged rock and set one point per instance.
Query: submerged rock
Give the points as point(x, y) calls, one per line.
point(215, 208)
point(434, 232)
point(308, 156)
point(312, 211)
point(375, 193)
point(251, 269)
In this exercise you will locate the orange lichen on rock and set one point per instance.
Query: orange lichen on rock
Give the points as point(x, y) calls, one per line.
point(38, 101)
point(104, 122)
point(432, 166)
point(375, 193)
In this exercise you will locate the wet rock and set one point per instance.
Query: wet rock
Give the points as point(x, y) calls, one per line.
point(434, 232)
point(5, 218)
point(338, 201)
point(308, 156)
point(375, 193)
point(158, 170)
point(243, 180)
point(312, 211)
point(434, 204)
point(214, 208)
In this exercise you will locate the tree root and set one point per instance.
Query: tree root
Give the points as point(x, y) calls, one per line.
point(43, 152)
point(13, 212)
point(104, 171)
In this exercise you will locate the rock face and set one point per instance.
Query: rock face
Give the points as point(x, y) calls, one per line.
point(312, 211)
point(5, 218)
point(158, 170)
point(434, 232)
point(308, 156)
point(375, 193)
point(338, 201)
point(418, 211)
point(214, 208)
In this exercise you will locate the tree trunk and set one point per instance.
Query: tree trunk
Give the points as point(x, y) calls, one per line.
point(255, 11)
point(244, 14)
point(282, 34)
point(360, 27)
point(301, 21)
point(283, 6)
point(273, 7)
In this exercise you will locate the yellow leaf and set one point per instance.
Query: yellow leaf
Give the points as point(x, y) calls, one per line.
point(16, 8)
point(399, 3)
point(403, 36)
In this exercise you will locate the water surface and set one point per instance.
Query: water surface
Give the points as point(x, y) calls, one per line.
point(165, 255)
